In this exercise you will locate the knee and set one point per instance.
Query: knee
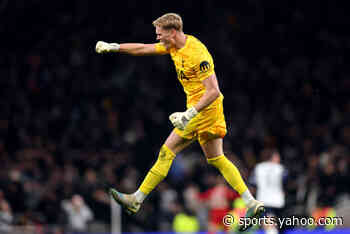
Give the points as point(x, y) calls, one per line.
point(164, 161)
point(165, 154)
point(215, 160)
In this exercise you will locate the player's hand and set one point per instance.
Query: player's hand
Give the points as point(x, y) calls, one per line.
point(181, 119)
point(104, 47)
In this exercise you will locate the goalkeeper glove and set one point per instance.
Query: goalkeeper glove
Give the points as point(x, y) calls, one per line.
point(104, 47)
point(181, 119)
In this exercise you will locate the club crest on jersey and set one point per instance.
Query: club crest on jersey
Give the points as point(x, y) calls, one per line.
point(181, 75)
point(204, 66)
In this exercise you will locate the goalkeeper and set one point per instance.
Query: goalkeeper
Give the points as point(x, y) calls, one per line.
point(203, 120)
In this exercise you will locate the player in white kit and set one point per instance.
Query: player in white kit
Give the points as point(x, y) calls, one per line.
point(268, 177)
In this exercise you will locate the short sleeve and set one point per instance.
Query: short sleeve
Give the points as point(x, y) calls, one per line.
point(204, 66)
point(160, 48)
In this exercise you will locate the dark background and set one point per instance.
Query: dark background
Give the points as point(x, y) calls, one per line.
point(69, 116)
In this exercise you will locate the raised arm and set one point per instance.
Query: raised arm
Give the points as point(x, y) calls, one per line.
point(136, 49)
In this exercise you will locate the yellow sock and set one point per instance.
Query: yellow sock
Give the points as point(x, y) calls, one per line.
point(230, 172)
point(159, 170)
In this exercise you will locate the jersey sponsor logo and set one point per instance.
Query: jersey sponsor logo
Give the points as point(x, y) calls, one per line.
point(204, 66)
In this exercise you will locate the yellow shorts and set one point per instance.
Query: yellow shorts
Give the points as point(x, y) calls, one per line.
point(207, 125)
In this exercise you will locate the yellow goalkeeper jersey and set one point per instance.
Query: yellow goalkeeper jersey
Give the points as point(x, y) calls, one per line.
point(193, 64)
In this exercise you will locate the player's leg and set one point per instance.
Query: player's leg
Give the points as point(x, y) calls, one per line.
point(173, 145)
point(271, 215)
point(213, 150)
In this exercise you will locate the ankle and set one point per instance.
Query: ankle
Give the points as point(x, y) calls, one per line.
point(139, 196)
point(248, 198)
point(250, 203)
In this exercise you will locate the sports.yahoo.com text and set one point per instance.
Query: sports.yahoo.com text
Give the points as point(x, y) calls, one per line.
point(228, 220)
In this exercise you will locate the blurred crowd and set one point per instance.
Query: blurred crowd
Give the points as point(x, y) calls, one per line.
point(71, 118)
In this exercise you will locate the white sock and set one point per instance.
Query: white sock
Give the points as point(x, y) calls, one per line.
point(247, 198)
point(140, 196)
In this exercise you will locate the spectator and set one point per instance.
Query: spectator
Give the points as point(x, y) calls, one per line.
point(79, 214)
point(6, 217)
point(218, 200)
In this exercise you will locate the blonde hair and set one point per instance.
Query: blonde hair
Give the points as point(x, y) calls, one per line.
point(169, 21)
